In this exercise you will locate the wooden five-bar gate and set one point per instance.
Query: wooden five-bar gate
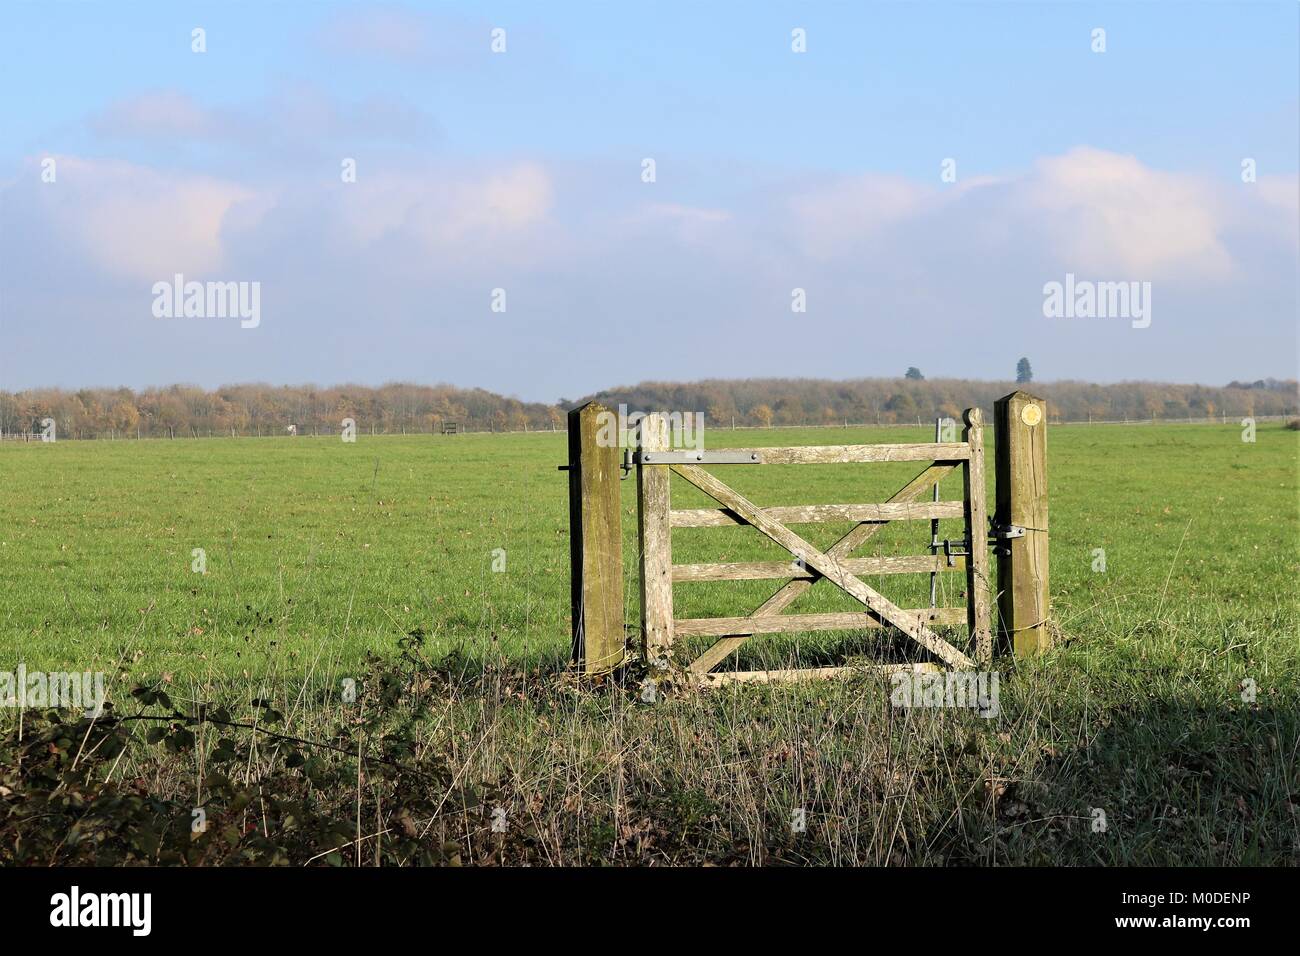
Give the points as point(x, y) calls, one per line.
point(597, 592)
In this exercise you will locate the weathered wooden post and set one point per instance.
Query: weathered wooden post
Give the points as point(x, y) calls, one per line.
point(978, 585)
point(1020, 422)
point(595, 539)
point(655, 522)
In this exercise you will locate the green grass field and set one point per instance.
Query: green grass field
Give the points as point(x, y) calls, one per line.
point(318, 552)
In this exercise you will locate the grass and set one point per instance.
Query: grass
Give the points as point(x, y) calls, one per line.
point(319, 553)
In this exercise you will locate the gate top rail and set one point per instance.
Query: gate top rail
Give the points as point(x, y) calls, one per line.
point(807, 454)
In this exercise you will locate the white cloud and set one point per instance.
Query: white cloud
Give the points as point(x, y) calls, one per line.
point(1087, 211)
point(448, 212)
point(1092, 211)
point(1108, 214)
point(135, 222)
point(828, 219)
point(677, 222)
point(1280, 196)
point(891, 266)
point(516, 197)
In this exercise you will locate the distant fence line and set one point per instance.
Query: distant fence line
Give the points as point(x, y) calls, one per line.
point(327, 431)
point(279, 431)
point(273, 431)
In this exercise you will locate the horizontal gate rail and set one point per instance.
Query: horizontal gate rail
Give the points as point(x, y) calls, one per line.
point(832, 621)
point(842, 454)
point(817, 673)
point(769, 570)
point(807, 514)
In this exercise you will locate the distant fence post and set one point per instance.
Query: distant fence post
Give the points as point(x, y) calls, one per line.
point(595, 540)
point(1020, 421)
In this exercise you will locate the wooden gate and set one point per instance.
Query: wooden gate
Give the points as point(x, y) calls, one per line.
point(655, 461)
point(1020, 538)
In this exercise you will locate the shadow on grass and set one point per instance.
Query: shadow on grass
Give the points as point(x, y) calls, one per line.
point(1165, 783)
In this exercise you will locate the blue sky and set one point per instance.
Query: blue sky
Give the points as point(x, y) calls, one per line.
point(521, 170)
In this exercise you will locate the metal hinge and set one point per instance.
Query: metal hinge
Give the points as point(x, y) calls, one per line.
point(689, 457)
point(1000, 533)
point(624, 465)
point(678, 457)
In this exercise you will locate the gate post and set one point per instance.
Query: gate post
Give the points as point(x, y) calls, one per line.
point(1020, 421)
point(595, 539)
point(977, 561)
point(654, 521)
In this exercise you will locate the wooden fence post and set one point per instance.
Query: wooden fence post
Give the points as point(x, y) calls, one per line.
point(595, 539)
point(978, 584)
point(1023, 602)
point(655, 525)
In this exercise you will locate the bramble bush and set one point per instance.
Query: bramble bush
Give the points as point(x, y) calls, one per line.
point(268, 797)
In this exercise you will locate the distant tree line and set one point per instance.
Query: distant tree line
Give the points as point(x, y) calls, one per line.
point(187, 411)
point(914, 399)
point(257, 409)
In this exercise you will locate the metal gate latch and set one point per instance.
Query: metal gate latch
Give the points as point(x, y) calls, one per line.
point(955, 549)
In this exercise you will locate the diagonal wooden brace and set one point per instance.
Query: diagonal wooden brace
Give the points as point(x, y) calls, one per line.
point(843, 548)
point(829, 567)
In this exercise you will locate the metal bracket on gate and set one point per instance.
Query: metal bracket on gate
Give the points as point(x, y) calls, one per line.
point(689, 457)
point(998, 533)
point(961, 548)
point(625, 465)
point(677, 457)
point(955, 549)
